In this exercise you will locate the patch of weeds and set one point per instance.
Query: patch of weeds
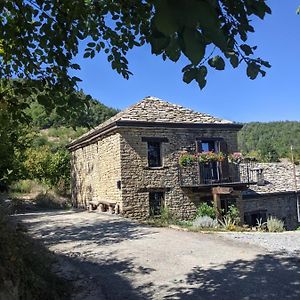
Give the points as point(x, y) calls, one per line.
point(49, 200)
point(165, 218)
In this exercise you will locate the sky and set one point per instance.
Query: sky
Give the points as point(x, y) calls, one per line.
point(229, 94)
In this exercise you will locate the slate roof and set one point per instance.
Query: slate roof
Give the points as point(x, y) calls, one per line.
point(151, 109)
point(278, 177)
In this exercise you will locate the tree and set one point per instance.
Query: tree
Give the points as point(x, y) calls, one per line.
point(40, 38)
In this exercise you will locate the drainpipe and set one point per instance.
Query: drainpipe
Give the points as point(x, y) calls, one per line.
point(295, 182)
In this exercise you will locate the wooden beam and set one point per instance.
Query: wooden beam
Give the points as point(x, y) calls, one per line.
point(222, 190)
point(217, 206)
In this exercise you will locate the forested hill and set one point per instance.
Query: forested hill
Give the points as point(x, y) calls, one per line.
point(93, 115)
point(272, 136)
point(36, 149)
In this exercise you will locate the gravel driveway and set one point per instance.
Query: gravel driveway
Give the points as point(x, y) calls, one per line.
point(107, 257)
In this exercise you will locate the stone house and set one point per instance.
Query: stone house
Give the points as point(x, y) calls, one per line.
point(130, 163)
point(278, 195)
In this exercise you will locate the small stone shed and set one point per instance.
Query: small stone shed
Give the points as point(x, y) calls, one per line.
point(277, 196)
point(130, 163)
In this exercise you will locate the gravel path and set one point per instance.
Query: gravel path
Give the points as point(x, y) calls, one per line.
point(110, 258)
point(284, 242)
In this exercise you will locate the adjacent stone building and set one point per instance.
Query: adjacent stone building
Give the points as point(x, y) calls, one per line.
point(130, 163)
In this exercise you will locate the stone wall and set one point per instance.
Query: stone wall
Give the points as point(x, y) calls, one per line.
point(138, 179)
point(96, 168)
point(280, 205)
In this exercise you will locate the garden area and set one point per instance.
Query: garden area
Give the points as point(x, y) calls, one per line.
point(206, 221)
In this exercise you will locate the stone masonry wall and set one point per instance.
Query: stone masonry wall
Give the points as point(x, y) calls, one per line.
point(282, 206)
point(138, 179)
point(95, 170)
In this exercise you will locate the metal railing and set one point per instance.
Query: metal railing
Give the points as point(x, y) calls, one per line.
point(197, 174)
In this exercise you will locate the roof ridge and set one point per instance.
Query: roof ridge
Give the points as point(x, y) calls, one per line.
point(155, 110)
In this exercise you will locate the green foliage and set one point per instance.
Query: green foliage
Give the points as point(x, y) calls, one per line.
point(29, 152)
point(270, 141)
point(275, 225)
point(231, 218)
point(206, 32)
point(186, 160)
point(48, 167)
point(166, 216)
point(91, 115)
point(234, 214)
point(15, 137)
point(163, 219)
point(23, 186)
point(206, 210)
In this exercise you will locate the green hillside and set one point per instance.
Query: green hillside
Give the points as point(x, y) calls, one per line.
point(276, 137)
point(36, 150)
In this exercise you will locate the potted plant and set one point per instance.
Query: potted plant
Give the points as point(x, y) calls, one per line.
point(186, 159)
point(209, 156)
point(236, 157)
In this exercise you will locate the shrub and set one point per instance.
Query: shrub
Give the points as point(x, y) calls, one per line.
point(234, 214)
point(51, 201)
point(206, 210)
point(205, 222)
point(275, 225)
point(228, 223)
point(28, 186)
point(260, 225)
point(22, 186)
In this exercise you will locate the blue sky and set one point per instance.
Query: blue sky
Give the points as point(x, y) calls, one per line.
point(228, 94)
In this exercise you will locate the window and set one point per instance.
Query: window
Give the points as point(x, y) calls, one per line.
point(210, 172)
point(154, 154)
point(208, 145)
point(155, 203)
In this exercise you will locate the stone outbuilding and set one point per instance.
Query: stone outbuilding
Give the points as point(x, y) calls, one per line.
point(130, 164)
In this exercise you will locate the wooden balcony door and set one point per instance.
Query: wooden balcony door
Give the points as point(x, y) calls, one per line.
point(211, 171)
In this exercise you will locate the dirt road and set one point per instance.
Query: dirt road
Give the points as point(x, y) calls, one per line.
point(107, 257)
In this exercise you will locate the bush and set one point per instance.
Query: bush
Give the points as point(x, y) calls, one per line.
point(51, 201)
point(205, 222)
point(206, 210)
point(228, 223)
point(26, 186)
point(275, 225)
point(234, 214)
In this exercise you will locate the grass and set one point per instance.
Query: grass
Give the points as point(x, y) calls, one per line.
point(27, 186)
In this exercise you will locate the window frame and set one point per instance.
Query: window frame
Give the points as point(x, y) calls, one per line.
point(159, 156)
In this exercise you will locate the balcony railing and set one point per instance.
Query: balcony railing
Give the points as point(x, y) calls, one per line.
point(215, 173)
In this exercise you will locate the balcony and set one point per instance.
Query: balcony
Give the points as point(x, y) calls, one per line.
point(224, 173)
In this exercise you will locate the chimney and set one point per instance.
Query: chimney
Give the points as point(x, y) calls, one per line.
point(260, 176)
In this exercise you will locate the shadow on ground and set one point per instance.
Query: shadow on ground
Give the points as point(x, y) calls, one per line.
point(101, 232)
point(268, 276)
point(271, 276)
